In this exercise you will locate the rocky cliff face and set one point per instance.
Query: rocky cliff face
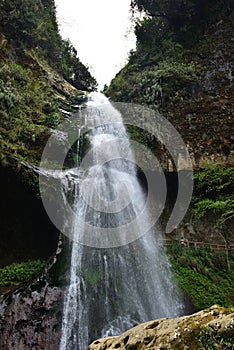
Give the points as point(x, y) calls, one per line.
point(38, 75)
point(205, 117)
point(213, 327)
point(31, 316)
point(193, 89)
point(32, 320)
point(187, 78)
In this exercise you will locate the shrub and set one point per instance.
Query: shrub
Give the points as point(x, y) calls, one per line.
point(202, 274)
point(215, 193)
point(17, 273)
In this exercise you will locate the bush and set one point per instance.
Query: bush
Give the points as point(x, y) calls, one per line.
point(32, 24)
point(23, 117)
point(15, 273)
point(152, 85)
point(202, 274)
point(214, 193)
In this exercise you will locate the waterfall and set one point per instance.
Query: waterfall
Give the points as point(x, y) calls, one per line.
point(121, 277)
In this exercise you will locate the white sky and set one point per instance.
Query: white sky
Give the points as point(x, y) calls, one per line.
point(101, 32)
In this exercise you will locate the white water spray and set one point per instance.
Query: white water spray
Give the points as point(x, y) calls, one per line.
point(113, 289)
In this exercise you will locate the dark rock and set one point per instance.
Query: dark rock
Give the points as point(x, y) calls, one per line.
point(31, 316)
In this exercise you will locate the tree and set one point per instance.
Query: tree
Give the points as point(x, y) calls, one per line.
point(74, 70)
point(182, 15)
point(32, 24)
point(20, 20)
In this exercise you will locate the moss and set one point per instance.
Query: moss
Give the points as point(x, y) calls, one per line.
point(208, 339)
point(15, 274)
point(28, 109)
point(138, 135)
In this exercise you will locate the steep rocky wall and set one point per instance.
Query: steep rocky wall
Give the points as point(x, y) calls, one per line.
point(26, 230)
point(31, 316)
point(205, 117)
point(201, 109)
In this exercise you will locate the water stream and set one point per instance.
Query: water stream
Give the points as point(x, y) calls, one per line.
point(115, 282)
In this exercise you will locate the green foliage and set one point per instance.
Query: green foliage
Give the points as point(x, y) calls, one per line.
point(73, 70)
point(32, 24)
point(146, 30)
point(92, 277)
point(176, 70)
point(215, 193)
point(27, 106)
point(20, 20)
point(160, 72)
point(17, 273)
point(208, 339)
point(138, 135)
point(157, 73)
point(152, 85)
point(182, 16)
point(202, 274)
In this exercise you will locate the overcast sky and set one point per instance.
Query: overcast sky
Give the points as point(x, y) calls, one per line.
point(101, 32)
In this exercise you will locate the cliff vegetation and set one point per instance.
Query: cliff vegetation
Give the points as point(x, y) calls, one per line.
point(183, 67)
point(42, 81)
point(34, 62)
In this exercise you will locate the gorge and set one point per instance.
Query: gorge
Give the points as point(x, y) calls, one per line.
point(64, 291)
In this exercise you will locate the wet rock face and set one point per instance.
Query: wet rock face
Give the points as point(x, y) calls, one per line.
point(26, 232)
point(31, 319)
point(31, 314)
point(178, 333)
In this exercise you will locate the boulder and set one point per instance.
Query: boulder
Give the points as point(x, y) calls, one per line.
point(186, 332)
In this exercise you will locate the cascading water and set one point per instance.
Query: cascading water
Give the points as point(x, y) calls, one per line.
point(115, 284)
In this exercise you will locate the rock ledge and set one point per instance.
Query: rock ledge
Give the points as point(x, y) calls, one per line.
point(172, 333)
